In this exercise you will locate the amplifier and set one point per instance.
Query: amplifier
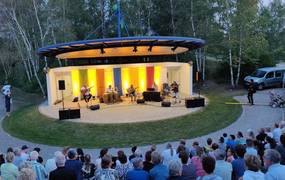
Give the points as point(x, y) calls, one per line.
point(195, 102)
point(69, 114)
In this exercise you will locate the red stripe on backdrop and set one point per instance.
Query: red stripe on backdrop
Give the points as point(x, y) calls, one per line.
point(100, 82)
point(149, 76)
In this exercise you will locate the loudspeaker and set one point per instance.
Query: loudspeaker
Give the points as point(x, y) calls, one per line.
point(195, 102)
point(61, 84)
point(140, 101)
point(165, 103)
point(75, 99)
point(69, 114)
point(94, 107)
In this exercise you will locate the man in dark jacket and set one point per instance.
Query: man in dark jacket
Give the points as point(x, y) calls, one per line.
point(73, 164)
point(61, 172)
point(250, 92)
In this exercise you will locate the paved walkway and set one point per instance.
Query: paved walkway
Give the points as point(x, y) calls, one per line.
point(253, 117)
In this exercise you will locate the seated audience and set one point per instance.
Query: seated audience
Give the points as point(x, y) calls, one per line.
point(188, 170)
point(137, 172)
point(159, 171)
point(183, 142)
point(175, 170)
point(193, 149)
point(80, 154)
point(208, 164)
point(276, 132)
point(238, 164)
point(8, 170)
point(275, 171)
point(106, 172)
point(208, 147)
point(222, 144)
point(18, 159)
point(250, 134)
point(253, 166)
point(147, 164)
point(223, 168)
point(61, 172)
point(24, 153)
point(73, 164)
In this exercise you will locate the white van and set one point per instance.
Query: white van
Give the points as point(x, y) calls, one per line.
point(266, 77)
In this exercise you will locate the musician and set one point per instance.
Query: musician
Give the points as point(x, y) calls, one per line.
point(165, 89)
point(6, 91)
point(132, 93)
point(175, 89)
point(112, 94)
point(85, 91)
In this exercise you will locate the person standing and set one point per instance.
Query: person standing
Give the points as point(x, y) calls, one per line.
point(250, 91)
point(6, 91)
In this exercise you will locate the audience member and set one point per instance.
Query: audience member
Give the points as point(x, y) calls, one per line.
point(239, 164)
point(61, 172)
point(270, 143)
point(159, 171)
point(231, 143)
point(275, 171)
point(133, 155)
point(223, 168)
point(250, 134)
point(222, 144)
point(8, 170)
point(261, 135)
point(106, 172)
point(137, 172)
point(51, 164)
point(240, 139)
point(168, 154)
point(73, 164)
point(98, 161)
point(26, 172)
point(253, 166)
point(209, 166)
point(24, 153)
point(208, 147)
point(18, 159)
point(40, 159)
point(193, 149)
point(88, 168)
point(175, 170)
point(80, 154)
point(250, 150)
point(268, 132)
point(276, 132)
point(38, 168)
point(281, 149)
point(147, 164)
point(230, 155)
point(183, 142)
point(188, 170)
point(124, 166)
point(225, 136)
point(2, 158)
point(197, 161)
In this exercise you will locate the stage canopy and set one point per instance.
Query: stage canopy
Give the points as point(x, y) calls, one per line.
point(122, 47)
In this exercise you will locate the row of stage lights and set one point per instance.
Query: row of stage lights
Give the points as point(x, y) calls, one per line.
point(136, 49)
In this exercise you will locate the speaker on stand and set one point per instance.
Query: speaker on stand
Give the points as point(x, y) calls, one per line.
point(61, 86)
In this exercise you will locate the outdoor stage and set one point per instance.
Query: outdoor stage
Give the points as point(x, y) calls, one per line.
point(122, 112)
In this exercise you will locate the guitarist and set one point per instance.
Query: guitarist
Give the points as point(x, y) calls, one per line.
point(85, 91)
point(132, 93)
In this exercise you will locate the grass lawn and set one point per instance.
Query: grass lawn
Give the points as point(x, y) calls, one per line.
point(27, 123)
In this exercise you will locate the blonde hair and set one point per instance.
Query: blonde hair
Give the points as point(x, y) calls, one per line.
point(27, 174)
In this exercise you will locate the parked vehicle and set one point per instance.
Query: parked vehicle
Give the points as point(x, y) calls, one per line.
point(266, 77)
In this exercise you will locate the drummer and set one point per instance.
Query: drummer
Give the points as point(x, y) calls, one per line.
point(132, 93)
point(112, 94)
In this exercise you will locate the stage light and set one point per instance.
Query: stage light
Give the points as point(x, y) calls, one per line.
point(135, 49)
point(174, 48)
point(102, 51)
point(150, 48)
point(75, 83)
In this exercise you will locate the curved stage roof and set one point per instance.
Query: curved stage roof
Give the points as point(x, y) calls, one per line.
point(122, 47)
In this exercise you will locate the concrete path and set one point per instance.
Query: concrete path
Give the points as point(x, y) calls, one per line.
point(252, 117)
